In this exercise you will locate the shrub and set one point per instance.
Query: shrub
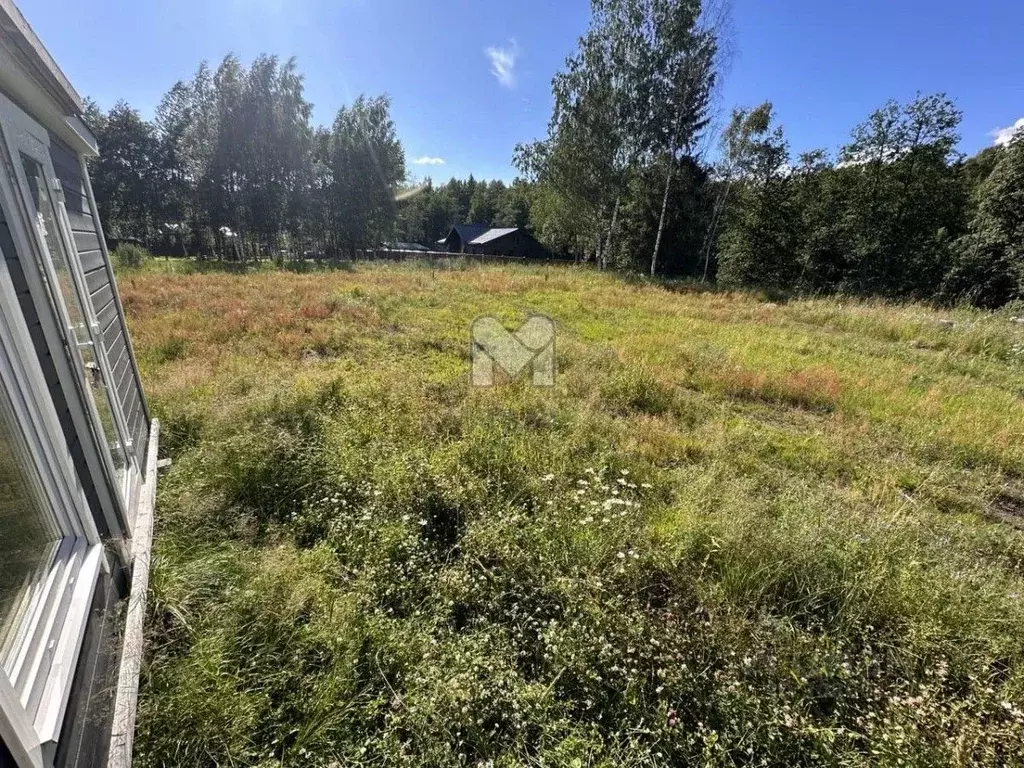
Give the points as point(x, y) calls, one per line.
point(130, 256)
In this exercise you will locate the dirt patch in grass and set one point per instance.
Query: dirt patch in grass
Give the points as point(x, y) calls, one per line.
point(1009, 508)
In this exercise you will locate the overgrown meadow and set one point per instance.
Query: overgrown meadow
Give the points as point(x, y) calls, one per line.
point(736, 532)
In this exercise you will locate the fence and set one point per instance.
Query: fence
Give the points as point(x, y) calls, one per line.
point(384, 254)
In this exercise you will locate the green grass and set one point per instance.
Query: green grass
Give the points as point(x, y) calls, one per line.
point(735, 533)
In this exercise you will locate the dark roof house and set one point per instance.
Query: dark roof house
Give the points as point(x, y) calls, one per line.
point(515, 242)
point(497, 241)
point(77, 445)
point(460, 236)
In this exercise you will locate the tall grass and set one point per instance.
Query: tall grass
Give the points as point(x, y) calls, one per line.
point(734, 533)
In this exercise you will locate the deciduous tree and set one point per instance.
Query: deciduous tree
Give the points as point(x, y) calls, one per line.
point(367, 165)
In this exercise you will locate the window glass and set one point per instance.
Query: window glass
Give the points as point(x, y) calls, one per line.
point(29, 539)
point(101, 395)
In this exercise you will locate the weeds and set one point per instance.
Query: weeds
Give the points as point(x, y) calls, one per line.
point(129, 256)
point(733, 533)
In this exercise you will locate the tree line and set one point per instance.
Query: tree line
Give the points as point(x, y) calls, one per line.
point(898, 212)
point(628, 177)
point(232, 165)
point(426, 213)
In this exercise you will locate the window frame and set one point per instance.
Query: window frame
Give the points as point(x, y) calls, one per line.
point(20, 133)
point(54, 623)
point(133, 470)
point(16, 731)
point(53, 478)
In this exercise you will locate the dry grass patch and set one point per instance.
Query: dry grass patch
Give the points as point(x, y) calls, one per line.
point(816, 389)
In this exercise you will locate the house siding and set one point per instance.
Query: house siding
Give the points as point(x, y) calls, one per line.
point(48, 366)
point(99, 278)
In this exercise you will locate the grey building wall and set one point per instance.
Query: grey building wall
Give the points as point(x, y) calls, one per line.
point(60, 404)
point(98, 275)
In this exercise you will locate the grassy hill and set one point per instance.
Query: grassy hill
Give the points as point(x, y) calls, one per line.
point(736, 532)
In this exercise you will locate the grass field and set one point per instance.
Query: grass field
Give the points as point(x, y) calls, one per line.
point(736, 532)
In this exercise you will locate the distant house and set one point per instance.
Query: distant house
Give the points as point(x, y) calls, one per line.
point(510, 241)
point(500, 241)
point(460, 236)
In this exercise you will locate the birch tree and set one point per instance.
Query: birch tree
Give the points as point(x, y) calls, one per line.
point(684, 79)
point(367, 165)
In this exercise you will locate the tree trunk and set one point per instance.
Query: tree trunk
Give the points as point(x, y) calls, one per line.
point(713, 229)
point(611, 229)
point(661, 220)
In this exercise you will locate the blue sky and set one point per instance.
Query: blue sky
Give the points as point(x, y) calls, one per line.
point(470, 78)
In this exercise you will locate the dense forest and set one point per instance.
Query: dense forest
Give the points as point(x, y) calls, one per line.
point(630, 176)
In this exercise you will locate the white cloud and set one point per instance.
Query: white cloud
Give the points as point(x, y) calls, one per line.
point(503, 63)
point(426, 160)
point(1002, 136)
